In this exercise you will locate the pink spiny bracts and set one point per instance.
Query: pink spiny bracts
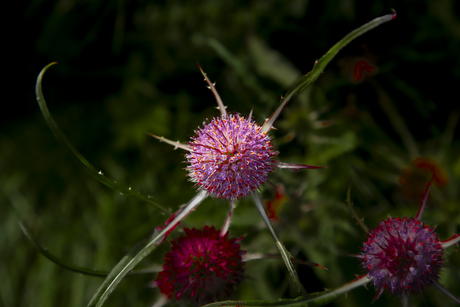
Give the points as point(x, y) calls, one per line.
point(402, 255)
point(230, 157)
point(203, 266)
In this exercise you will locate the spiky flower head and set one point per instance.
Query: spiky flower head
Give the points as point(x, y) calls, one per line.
point(402, 255)
point(203, 266)
point(230, 157)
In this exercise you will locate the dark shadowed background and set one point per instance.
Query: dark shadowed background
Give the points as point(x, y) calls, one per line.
point(130, 67)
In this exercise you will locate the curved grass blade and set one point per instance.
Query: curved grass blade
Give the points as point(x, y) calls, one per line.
point(73, 152)
point(315, 299)
point(74, 268)
point(58, 261)
point(138, 253)
point(320, 64)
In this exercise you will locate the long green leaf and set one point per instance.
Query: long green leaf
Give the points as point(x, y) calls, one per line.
point(319, 66)
point(72, 267)
point(56, 260)
point(73, 152)
point(315, 299)
point(137, 254)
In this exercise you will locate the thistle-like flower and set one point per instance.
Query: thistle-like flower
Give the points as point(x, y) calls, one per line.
point(230, 157)
point(405, 255)
point(402, 255)
point(203, 266)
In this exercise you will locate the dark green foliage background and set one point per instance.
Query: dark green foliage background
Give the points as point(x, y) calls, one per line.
point(130, 67)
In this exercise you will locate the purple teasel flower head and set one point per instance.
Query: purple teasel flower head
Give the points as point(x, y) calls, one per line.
point(202, 266)
point(402, 255)
point(405, 255)
point(230, 157)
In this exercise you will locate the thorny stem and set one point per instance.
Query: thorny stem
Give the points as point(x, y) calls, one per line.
point(212, 87)
point(175, 144)
point(295, 166)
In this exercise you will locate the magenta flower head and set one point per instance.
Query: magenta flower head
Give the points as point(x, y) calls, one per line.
point(402, 255)
point(230, 157)
point(202, 267)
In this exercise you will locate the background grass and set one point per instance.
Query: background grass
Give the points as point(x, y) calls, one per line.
point(129, 67)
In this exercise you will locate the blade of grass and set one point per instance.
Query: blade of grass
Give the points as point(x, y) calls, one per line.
point(72, 267)
point(137, 254)
point(73, 152)
point(56, 260)
point(315, 299)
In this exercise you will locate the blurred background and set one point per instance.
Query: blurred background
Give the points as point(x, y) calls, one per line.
point(130, 67)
